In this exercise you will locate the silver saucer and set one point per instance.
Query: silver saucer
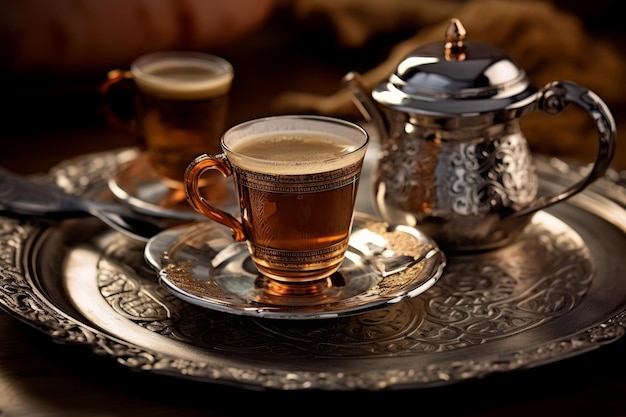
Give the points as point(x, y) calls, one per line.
point(384, 264)
point(137, 185)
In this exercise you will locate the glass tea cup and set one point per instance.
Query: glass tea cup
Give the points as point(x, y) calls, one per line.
point(297, 179)
point(174, 104)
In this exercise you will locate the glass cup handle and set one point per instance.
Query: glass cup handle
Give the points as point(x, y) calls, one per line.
point(117, 101)
point(554, 98)
point(193, 174)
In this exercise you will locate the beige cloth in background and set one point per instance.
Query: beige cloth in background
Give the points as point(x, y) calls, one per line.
point(548, 43)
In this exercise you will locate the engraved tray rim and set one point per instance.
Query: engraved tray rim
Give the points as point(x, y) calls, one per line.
point(25, 297)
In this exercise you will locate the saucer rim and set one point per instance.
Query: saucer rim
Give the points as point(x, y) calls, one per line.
point(125, 196)
point(418, 284)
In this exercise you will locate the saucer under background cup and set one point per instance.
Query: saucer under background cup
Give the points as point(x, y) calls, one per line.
point(139, 186)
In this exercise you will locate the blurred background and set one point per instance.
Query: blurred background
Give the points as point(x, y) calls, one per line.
point(289, 57)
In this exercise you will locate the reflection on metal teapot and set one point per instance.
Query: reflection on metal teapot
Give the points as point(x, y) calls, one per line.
point(454, 161)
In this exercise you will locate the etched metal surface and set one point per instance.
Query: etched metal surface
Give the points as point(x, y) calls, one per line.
point(555, 292)
point(466, 178)
point(478, 300)
point(383, 265)
point(460, 187)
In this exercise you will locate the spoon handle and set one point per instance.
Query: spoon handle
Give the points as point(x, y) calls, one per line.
point(22, 196)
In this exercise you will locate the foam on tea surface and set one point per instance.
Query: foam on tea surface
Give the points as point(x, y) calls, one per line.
point(295, 152)
point(182, 78)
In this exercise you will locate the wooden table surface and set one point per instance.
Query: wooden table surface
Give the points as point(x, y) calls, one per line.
point(39, 378)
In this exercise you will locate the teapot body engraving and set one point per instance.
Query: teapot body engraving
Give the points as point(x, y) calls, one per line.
point(436, 178)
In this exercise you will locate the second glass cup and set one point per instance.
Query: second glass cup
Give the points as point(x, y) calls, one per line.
point(178, 104)
point(297, 179)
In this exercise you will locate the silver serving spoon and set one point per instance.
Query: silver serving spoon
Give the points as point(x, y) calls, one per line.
point(21, 196)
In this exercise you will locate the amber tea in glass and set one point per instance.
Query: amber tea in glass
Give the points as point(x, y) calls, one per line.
point(297, 179)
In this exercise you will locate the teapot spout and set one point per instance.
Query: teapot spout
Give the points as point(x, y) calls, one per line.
point(363, 101)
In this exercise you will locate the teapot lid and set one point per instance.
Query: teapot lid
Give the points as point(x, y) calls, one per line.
point(456, 78)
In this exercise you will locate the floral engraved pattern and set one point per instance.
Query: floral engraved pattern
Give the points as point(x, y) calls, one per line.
point(477, 300)
point(470, 177)
point(540, 279)
point(487, 176)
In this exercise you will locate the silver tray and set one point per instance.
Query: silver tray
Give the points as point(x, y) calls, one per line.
point(559, 291)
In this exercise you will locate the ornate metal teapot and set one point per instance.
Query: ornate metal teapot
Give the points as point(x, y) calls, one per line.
point(454, 161)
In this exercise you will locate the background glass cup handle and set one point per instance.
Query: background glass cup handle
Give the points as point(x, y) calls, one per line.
point(117, 103)
point(553, 98)
point(193, 175)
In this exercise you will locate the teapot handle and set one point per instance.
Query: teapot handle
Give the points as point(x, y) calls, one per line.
point(553, 98)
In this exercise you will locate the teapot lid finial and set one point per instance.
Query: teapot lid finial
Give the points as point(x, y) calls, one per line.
point(455, 34)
